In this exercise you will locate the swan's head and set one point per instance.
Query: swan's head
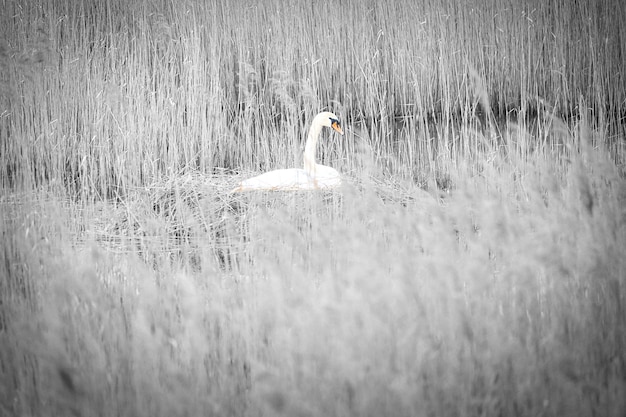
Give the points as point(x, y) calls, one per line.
point(329, 119)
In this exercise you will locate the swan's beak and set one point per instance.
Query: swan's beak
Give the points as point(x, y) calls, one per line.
point(336, 127)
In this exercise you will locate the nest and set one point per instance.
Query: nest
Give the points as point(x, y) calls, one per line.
point(194, 218)
point(179, 218)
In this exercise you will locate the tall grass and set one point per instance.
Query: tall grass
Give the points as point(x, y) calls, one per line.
point(132, 283)
point(103, 98)
point(507, 300)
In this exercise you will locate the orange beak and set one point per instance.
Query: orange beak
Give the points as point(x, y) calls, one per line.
point(336, 127)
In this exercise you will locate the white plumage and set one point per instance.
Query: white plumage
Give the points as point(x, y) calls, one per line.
point(313, 176)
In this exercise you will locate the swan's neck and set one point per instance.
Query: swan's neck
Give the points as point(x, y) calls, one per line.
point(310, 147)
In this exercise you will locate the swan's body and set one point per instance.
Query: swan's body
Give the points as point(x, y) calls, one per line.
point(313, 176)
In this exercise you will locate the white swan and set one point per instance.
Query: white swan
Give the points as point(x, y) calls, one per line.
point(313, 176)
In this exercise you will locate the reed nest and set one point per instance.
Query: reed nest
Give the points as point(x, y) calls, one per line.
point(178, 216)
point(192, 216)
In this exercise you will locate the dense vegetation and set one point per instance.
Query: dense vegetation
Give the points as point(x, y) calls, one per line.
point(472, 263)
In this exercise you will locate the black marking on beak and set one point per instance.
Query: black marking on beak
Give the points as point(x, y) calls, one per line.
point(336, 125)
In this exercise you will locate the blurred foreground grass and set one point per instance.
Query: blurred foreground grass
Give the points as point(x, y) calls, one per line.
point(504, 298)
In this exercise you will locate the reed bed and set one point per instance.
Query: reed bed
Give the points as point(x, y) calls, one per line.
point(471, 263)
point(106, 98)
point(507, 298)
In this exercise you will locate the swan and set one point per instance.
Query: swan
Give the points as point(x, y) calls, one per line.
point(313, 176)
